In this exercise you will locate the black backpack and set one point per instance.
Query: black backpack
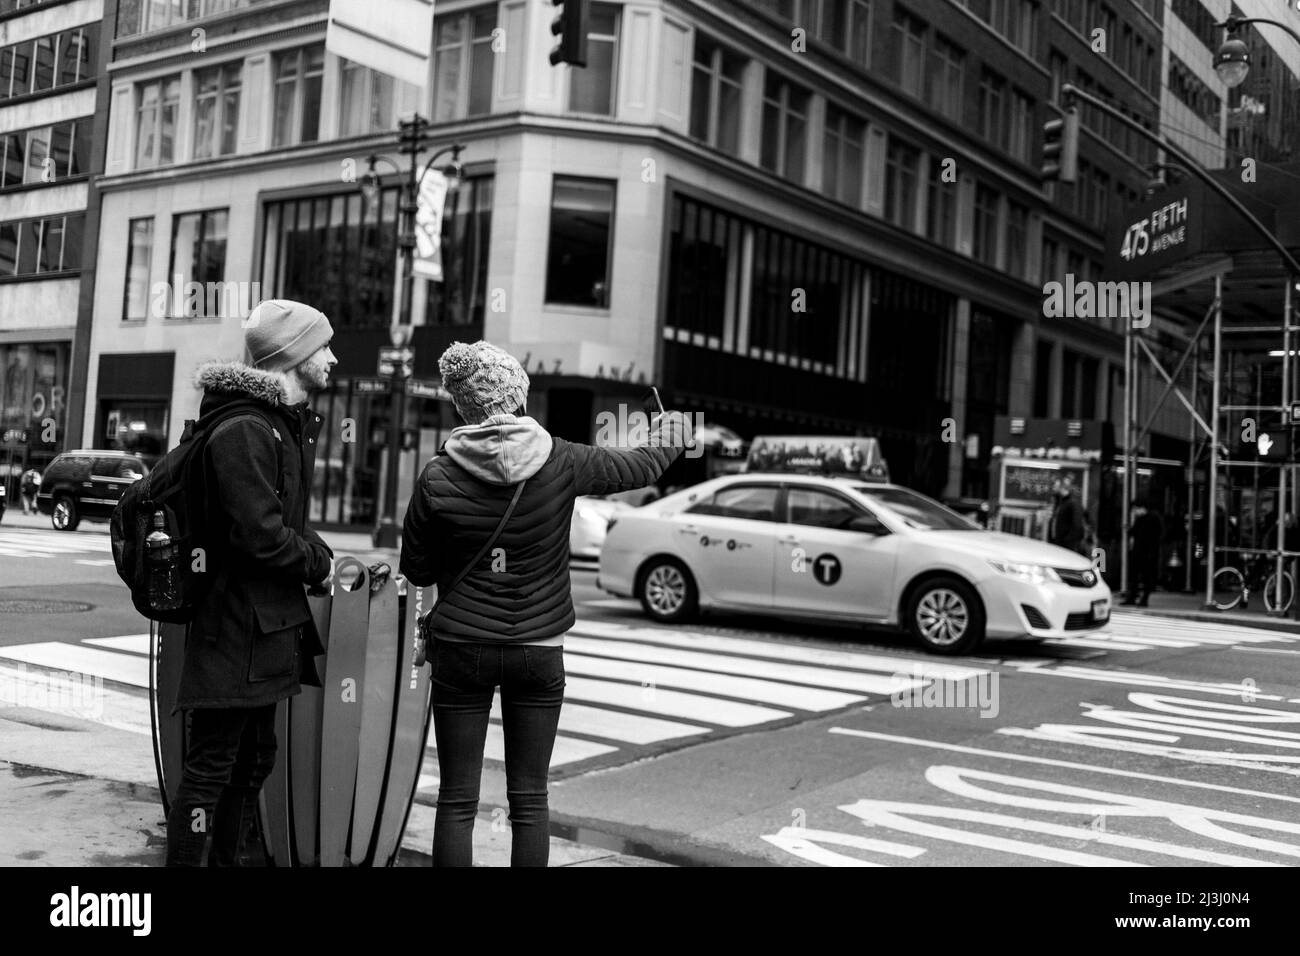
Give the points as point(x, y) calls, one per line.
point(178, 486)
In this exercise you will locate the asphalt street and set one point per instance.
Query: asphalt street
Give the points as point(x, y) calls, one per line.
point(748, 740)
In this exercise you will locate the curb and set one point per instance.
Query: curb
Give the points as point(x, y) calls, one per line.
point(1218, 617)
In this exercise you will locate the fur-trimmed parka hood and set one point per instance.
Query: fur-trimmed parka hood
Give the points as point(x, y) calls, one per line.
point(235, 380)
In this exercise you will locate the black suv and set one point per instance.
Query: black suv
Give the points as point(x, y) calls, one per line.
point(87, 483)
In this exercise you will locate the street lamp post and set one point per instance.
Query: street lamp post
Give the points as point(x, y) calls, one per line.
point(414, 135)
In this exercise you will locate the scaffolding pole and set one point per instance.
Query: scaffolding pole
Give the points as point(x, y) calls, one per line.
point(1212, 511)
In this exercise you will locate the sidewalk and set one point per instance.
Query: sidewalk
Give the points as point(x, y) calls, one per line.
point(73, 799)
point(1192, 607)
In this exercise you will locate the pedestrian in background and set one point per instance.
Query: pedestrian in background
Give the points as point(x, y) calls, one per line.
point(1068, 527)
point(1146, 536)
point(501, 616)
point(250, 635)
point(30, 484)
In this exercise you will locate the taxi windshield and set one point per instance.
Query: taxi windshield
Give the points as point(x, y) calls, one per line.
point(916, 510)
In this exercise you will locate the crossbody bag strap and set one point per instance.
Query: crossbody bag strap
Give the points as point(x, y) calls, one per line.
point(519, 490)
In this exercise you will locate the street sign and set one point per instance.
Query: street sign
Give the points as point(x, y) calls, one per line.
point(387, 369)
point(369, 386)
point(396, 354)
point(1294, 417)
point(423, 388)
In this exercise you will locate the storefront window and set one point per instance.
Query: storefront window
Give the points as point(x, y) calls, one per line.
point(33, 407)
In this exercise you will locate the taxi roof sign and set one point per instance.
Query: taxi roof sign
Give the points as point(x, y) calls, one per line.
point(854, 457)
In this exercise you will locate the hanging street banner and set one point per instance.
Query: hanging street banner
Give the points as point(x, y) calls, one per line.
point(428, 226)
point(392, 37)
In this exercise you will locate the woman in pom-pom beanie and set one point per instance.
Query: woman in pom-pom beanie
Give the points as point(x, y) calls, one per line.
point(504, 623)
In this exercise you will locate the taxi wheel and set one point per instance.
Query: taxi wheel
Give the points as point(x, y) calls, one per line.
point(946, 616)
point(667, 591)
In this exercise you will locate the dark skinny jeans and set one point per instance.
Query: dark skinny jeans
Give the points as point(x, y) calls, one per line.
point(229, 755)
point(465, 676)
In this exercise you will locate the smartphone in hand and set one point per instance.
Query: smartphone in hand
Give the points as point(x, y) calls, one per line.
point(651, 404)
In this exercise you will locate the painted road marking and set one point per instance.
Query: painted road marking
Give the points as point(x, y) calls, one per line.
point(567, 749)
point(670, 703)
point(76, 658)
point(1052, 762)
point(928, 667)
point(131, 643)
point(747, 688)
point(23, 543)
point(774, 670)
point(1136, 680)
point(614, 724)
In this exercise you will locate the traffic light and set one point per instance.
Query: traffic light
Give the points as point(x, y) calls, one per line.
point(1061, 147)
point(571, 27)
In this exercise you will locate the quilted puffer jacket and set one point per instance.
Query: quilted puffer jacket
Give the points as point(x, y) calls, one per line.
point(520, 593)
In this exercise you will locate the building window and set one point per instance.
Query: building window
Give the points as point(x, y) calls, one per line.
point(578, 255)
point(37, 246)
point(901, 172)
point(1188, 88)
point(139, 257)
point(985, 244)
point(157, 103)
point(463, 62)
point(1017, 239)
point(858, 32)
point(466, 237)
point(335, 251)
point(49, 62)
point(297, 94)
point(941, 207)
point(1020, 138)
point(715, 95)
point(369, 100)
point(947, 65)
point(592, 90)
point(908, 43)
point(216, 109)
point(785, 127)
point(46, 154)
point(993, 108)
point(198, 255)
point(842, 156)
point(1051, 259)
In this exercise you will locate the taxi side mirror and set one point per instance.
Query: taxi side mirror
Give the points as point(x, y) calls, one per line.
point(867, 524)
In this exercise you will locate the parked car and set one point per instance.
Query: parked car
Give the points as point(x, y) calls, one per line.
point(87, 483)
point(591, 517)
point(837, 548)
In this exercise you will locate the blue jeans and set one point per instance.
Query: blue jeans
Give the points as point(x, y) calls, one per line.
point(465, 676)
point(230, 753)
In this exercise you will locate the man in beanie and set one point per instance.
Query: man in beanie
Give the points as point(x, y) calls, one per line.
point(504, 622)
point(252, 638)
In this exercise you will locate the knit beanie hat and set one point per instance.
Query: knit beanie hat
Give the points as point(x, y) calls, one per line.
point(483, 380)
point(280, 334)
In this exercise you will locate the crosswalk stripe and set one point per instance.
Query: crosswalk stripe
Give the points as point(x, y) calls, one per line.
point(132, 643)
point(1105, 645)
point(790, 673)
point(806, 655)
point(670, 703)
point(750, 688)
point(567, 749)
point(614, 724)
point(121, 668)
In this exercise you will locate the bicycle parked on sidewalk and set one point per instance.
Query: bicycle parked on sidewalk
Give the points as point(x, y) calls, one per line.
point(1232, 588)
